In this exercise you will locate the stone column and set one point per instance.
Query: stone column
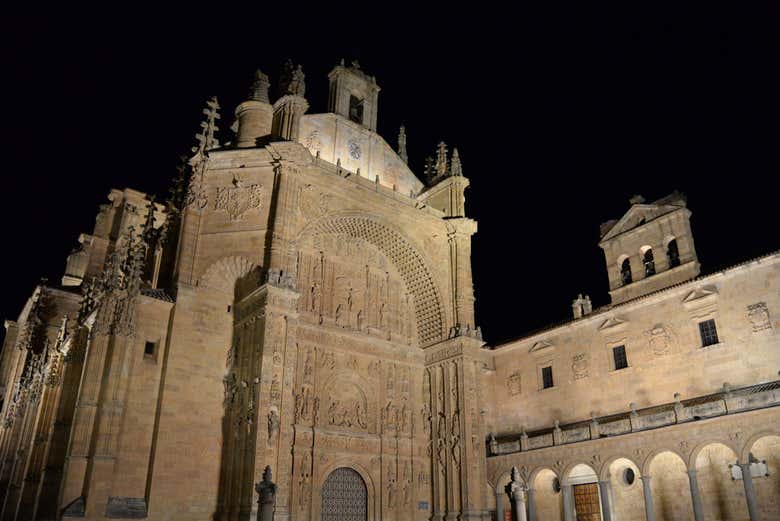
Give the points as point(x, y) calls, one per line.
point(516, 493)
point(750, 492)
point(267, 492)
point(649, 510)
point(606, 510)
point(568, 511)
point(698, 512)
point(499, 506)
point(531, 504)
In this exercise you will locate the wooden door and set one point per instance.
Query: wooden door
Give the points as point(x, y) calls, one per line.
point(586, 502)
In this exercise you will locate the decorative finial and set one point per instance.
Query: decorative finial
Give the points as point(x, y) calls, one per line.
point(636, 199)
point(259, 89)
point(292, 81)
point(441, 158)
point(429, 170)
point(455, 167)
point(402, 144)
point(355, 64)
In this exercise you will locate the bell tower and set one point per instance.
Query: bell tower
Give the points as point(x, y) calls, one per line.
point(649, 248)
point(353, 94)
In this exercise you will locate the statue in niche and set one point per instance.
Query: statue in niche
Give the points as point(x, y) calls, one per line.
point(382, 315)
point(391, 494)
point(314, 297)
point(404, 418)
point(303, 482)
point(273, 425)
point(307, 367)
point(426, 418)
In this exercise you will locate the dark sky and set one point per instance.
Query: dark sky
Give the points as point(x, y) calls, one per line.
point(558, 121)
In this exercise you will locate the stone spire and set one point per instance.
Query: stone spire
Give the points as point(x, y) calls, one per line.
point(258, 91)
point(289, 108)
point(254, 116)
point(455, 167)
point(402, 145)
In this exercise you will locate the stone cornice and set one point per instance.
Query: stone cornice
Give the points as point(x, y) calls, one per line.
point(598, 316)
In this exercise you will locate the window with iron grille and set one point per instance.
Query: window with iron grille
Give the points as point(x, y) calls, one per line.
point(619, 355)
point(547, 377)
point(708, 332)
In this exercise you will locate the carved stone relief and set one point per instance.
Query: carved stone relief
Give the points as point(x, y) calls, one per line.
point(580, 366)
point(758, 314)
point(239, 198)
point(513, 383)
point(659, 339)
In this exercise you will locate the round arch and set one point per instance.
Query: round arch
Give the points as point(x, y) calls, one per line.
point(371, 505)
point(645, 467)
point(410, 263)
point(691, 462)
point(535, 473)
point(744, 454)
point(604, 472)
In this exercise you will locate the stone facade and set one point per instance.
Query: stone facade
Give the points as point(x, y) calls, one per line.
point(302, 305)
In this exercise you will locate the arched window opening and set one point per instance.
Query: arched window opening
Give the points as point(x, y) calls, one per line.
point(649, 263)
point(673, 253)
point(625, 272)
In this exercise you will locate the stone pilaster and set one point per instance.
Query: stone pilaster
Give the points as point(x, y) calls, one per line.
point(459, 237)
point(457, 430)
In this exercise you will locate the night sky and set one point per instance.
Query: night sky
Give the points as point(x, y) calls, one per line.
point(558, 121)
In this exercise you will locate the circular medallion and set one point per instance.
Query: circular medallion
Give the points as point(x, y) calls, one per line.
point(354, 150)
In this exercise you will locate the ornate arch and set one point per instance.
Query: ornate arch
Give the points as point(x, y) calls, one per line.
point(408, 261)
point(345, 462)
point(223, 274)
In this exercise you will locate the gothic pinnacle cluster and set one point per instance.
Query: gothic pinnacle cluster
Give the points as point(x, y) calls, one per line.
point(443, 165)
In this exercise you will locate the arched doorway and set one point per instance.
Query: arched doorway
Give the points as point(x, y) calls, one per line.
point(344, 496)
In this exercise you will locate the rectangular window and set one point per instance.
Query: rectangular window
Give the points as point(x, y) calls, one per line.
point(708, 332)
point(356, 109)
point(547, 378)
point(149, 348)
point(619, 355)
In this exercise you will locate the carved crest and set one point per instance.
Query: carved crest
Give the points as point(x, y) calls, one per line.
point(513, 383)
point(238, 199)
point(758, 314)
point(579, 366)
point(660, 339)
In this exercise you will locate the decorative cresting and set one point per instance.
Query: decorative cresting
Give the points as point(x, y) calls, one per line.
point(344, 496)
point(418, 279)
point(224, 273)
